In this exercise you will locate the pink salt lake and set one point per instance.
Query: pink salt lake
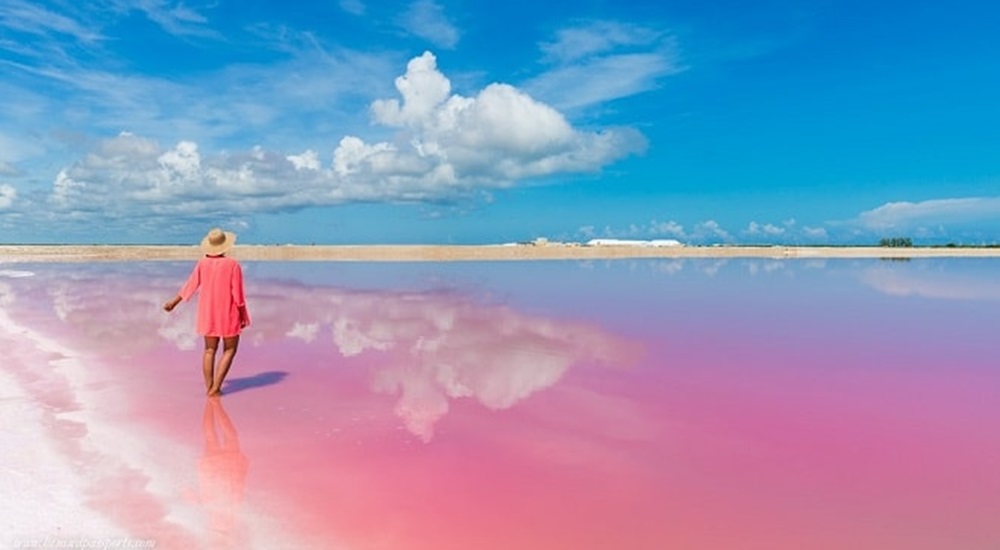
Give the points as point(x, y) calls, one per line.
point(555, 405)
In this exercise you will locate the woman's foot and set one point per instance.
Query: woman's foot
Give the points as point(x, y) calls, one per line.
point(214, 392)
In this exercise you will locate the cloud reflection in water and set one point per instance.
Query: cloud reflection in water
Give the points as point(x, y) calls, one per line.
point(427, 347)
point(433, 347)
point(925, 280)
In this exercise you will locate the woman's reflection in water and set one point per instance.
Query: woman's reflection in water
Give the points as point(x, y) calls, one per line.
point(222, 472)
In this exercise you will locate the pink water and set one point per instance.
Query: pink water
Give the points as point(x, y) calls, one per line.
point(640, 405)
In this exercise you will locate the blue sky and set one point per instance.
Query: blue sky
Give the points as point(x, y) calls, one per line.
point(438, 121)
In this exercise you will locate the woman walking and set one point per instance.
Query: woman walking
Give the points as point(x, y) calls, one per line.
point(222, 309)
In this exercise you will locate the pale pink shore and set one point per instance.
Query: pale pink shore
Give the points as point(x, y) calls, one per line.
point(73, 475)
point(418, 253)
point(43, 488)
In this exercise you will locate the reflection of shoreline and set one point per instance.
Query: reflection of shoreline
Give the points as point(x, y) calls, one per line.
point(222, 472)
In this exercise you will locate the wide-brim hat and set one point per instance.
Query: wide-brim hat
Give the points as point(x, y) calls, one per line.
point(217, 242)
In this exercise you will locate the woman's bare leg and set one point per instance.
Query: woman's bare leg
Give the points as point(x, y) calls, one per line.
point(208, 361)
point(229, 345)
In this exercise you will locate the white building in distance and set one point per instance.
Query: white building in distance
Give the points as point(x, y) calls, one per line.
point(627, 242)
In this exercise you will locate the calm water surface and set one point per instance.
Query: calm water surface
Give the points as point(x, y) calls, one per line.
point(628, 404)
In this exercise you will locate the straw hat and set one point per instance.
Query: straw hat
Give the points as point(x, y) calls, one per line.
point(217, 242)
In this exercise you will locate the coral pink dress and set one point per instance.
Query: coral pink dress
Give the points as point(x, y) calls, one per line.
point(219, 280)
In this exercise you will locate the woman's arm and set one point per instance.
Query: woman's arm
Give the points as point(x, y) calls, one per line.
point(189, 288)
point(238, 297)
point(192, 283)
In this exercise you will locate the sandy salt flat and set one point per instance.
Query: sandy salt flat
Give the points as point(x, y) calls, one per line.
point(42, 253)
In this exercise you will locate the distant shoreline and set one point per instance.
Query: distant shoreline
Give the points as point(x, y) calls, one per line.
point(457, 253)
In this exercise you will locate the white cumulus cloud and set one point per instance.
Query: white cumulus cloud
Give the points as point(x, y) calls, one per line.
point(670, 228)
point(308, 160)
point(447, 145)
point(710, 230)
point(771, 230)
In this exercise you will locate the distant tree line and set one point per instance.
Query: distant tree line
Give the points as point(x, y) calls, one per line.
point(983, 245)
point(896, 242)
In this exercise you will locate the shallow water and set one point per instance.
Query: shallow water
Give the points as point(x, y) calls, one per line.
point(625, 404)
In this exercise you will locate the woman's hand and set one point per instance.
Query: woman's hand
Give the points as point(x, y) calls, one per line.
point(171, 304)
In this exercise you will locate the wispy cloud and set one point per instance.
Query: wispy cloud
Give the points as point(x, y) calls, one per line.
point(598, 38)
point(353, 7)
point(602, 61)
point(33, 34)
point(7, 196)
point(78, 71)
point(815, 233)
point(601, 79)
point(30, 18)
point(50, 36)
point(426, 19)
point(911, 215)
point(325, 90)
point(13, 150)
point(176, 18)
